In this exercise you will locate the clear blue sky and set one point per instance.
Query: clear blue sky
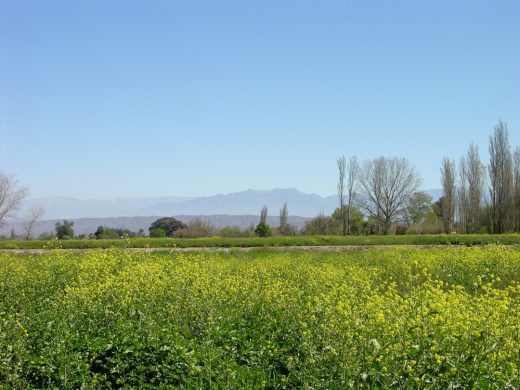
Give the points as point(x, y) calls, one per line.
point(102, 99)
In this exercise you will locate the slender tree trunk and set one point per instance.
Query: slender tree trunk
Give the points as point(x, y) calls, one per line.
point(341, 193)
point(353, 168)
point(448, 196)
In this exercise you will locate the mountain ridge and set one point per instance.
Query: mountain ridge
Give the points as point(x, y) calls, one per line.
point(248, 202)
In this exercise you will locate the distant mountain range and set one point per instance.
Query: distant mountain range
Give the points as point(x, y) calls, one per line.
point(235, 209)
point(239, 203)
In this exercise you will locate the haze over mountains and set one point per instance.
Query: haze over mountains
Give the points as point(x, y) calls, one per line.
point(240, 209)
point(239, 203)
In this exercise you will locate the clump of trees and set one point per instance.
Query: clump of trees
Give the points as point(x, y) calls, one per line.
point(466, 207)
point(385, 190)
point(333, 224)
point(421, 215)
point(64, 230)
point(381, 194)
point(165, 227)
point(322, 225)
point(107, 233)
point(235, 231)
point(196, 228)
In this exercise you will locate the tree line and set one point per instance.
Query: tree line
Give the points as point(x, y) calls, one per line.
point(466, 205)
point(380, 196)
point(384, 193)
point(172, 227)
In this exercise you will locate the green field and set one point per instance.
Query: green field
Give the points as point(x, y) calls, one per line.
point(433, 239)
point(380, 318)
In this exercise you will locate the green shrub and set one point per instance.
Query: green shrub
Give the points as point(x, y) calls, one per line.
point(157, 233)
point(263, 230)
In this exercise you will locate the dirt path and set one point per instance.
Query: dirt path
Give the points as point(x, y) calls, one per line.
point(302, 248)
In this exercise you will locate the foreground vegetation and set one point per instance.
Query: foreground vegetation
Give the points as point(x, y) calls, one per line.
point(404, 318)
point(228, 242)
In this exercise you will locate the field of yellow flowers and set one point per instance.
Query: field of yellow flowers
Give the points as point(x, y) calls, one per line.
point(379, 318)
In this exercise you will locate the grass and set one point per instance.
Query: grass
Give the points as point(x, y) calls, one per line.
point(436, 239)
point(381, 318)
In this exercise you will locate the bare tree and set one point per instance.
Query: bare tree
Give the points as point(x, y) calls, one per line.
point(263, 214)
point(448, 193)
point(475, 176)
point(33, 217)
point(341, 193)
point(284, 220)
point(386, 186)
point(463, 197)
point(501, 178)
point(516, 180)
point(353, 172)
point(11, 196)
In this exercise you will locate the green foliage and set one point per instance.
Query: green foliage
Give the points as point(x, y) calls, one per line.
point(325, 225)
point(417, 207)
point(248, 241)
point(430, 224)
point(322, 225)
point(263, 230)
point(106, 233)
point(64, 231)
point(157, 233)
point(382, 318)
point(356, 219)
point(168, 224)
point(235, 231)
point(437, 208)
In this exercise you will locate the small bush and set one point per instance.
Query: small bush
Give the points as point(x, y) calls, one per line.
point(263, 230)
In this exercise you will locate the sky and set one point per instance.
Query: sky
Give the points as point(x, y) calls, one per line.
point(108, 99)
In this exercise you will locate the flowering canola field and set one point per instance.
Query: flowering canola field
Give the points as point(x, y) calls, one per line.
point(380, 318)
